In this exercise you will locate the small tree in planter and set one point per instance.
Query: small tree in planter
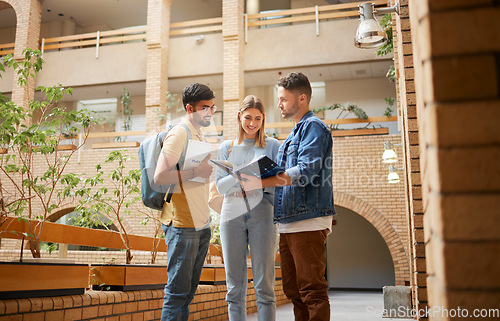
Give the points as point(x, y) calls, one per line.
point(152, 215)
point(115, 203)
point(126, 112)
point(344, 110)
point(33, 181)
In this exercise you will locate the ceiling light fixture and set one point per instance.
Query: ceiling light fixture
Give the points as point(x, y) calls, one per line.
point(370, 34)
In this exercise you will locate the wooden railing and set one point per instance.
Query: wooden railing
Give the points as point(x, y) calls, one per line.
point(269, 126)
point(94, 38)
point(13, 228)
point(335, 11)
point(337, 121)
point(277, 125)
point(216, 139)
point(6, 48)
point(139, 33)
point(119, 36)
point(196, 27)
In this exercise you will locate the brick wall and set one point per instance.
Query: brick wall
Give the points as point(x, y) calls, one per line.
point(208, 304)
point(457, 68)
point(360, 184)
point(403, 58)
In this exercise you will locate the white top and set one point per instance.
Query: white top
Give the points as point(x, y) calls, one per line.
point(309, 225)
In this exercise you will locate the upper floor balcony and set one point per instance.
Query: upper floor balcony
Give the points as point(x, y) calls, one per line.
point(110, 57)
point(99, 65)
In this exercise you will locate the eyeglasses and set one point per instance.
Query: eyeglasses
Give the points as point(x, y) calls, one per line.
point(207, 109)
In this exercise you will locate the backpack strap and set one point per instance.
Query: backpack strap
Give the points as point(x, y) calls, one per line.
point(188, 137)
point(170, 191)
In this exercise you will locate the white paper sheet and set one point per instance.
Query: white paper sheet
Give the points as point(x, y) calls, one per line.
point(195, 154)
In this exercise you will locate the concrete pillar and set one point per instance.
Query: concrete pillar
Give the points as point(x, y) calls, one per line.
point(253, 6)
point(233, 74)
point(397, 302)
point(28, 14)
point(157, 58)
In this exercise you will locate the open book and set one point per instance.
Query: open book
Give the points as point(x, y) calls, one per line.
point(262, 167)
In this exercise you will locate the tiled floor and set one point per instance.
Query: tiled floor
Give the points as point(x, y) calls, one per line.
point(345, 306)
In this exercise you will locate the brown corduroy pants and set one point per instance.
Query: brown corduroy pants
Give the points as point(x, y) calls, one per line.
point(303, 264)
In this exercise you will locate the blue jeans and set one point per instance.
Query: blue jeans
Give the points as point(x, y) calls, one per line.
point(257, 230)
point(186, 252)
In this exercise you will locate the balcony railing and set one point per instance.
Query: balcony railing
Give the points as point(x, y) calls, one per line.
point(216, 139)
point(139, 33)
point(317, 13)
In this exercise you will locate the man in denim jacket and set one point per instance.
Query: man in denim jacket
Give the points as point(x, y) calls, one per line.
point(303, 204)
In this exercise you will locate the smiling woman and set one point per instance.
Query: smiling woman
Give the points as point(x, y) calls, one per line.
point(246, 221)
point(251, 119)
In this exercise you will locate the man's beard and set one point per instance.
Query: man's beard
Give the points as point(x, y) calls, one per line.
point(200, 120)
point(290, 113)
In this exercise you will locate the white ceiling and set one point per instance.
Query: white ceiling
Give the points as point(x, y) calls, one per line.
point(115, 13)
point(126, 13)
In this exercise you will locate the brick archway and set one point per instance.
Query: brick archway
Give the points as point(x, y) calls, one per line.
point(28, 16)
point(385, 229)
point(10, 3)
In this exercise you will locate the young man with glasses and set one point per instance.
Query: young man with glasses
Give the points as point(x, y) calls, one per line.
point(186, 219)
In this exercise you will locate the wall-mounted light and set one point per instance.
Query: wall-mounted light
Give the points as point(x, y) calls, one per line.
point(393, 176)
point(389, 155)
point(199, 39)
point(370, 34)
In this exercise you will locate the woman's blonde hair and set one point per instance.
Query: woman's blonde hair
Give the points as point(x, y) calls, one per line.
point(252, 101)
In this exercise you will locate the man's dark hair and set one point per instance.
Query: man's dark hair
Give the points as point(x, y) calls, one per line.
point(195, 93)
point(296, 82)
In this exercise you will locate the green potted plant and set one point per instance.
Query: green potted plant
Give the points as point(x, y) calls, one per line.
point(345, 110)
point(116, 195)
point(34, 182)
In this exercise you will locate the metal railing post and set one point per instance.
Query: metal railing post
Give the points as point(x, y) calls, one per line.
point(317, 20)
point(97, 45)
point(246, 27)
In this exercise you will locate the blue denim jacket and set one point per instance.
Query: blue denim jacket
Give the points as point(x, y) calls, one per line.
point(306, 155)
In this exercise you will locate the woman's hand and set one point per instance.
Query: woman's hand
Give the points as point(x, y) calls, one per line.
point(250, 183)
